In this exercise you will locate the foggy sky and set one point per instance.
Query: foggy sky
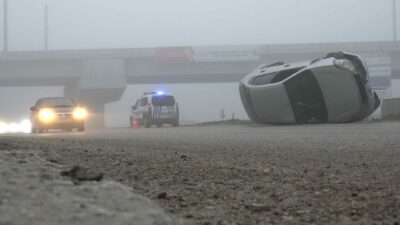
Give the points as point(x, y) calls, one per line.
point(80, 24)
point(85, 24)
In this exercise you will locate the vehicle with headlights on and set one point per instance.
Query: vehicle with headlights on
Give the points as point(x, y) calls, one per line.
point(333, 89)
point(57, 113)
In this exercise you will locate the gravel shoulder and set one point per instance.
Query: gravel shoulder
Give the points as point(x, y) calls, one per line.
point(33, 192)
point(322, 174)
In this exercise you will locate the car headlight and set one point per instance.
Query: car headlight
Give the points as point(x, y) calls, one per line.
point(79, 114)
point(46, 115)
point(3, 127)
point(346, 65)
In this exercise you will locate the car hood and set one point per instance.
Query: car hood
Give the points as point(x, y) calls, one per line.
point(61, 109)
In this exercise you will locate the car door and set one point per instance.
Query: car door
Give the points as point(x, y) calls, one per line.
point(163, 107)
point(34, 112)
point(135, 109)
point(142, 108)
point(340, 91)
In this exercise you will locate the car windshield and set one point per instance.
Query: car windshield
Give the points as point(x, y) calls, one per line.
point(56, 102)
point(163, 100)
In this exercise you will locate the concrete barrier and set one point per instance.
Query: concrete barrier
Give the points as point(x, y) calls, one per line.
point(391, 108)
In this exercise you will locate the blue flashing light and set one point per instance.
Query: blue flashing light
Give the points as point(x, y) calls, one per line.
point(160, 92)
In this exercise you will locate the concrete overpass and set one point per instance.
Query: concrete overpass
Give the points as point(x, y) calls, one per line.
point(97, 77)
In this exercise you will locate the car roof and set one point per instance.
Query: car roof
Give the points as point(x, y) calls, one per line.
point(151, 95)
point(54, 98)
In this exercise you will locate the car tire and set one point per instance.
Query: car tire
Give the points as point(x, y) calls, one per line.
point(130, 121)
point(146, 122)
point(175, 124)
point(81, 129)
point(159, 125)
point(39, 130)
point(33, 130)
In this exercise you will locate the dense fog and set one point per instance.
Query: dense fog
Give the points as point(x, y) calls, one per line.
point(127, 24)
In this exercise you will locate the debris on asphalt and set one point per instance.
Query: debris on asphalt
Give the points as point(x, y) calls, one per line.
point(79, 174)
point(268, 171)
point(258, 208)
point(162, 195)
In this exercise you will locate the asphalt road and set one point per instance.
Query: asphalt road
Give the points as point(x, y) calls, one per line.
point(309, 174)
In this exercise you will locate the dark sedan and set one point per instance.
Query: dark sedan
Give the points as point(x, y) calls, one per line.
point(57, 113)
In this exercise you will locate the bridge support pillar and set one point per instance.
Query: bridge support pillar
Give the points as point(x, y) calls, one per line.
point(95, 100)
point(96, 113)
point(71, 89)
point(102, 81)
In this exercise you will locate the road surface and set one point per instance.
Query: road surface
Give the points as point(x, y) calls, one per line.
point(308, 174)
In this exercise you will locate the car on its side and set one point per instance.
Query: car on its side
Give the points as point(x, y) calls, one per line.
point(333, 89)
point(57, 113)
point(155, 108)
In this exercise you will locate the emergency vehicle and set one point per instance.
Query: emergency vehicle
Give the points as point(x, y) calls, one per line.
point(155, 108)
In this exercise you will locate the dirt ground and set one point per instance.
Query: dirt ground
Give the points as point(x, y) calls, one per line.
point(32, 191)
point(216, 175)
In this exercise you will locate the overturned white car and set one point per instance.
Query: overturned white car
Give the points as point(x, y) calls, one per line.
point(333, 89)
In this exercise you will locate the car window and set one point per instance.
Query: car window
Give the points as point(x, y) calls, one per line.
point(285, 74)
point(275, 77)
point(55, 102)
point(262, 79)
point(163, 100)
point(38, 103)
point(144, 101)
point(136, 104)
point(306, 98)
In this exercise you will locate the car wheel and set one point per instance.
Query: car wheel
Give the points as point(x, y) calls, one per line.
point(130, 121)
point(68, 130)
point(175, 124)
point(146, 122)
point(40, 130)
point(33, 130)
point(159, 125)
point(81, 129)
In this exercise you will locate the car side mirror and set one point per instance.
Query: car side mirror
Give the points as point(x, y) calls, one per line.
point(33, 108)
